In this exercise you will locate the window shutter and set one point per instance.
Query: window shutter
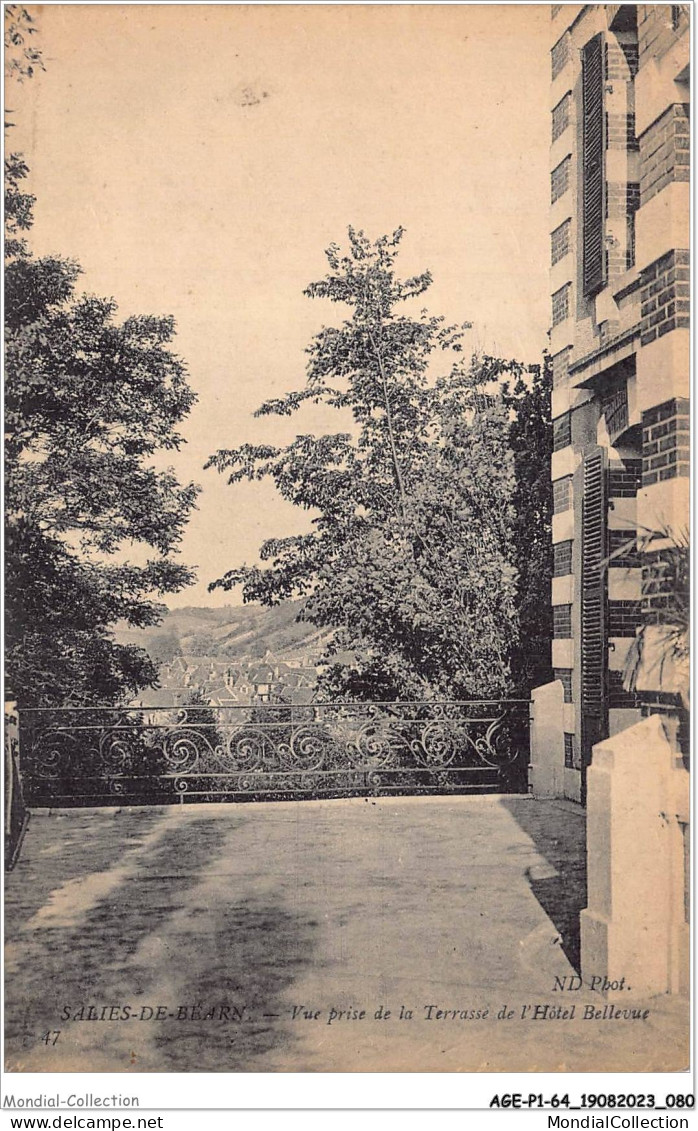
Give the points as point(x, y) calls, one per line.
point(593, 149)
point(594, 582)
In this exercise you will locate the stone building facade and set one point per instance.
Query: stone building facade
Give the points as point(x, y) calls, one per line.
point(619, 339)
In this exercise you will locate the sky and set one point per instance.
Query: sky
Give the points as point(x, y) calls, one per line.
point(197, 159)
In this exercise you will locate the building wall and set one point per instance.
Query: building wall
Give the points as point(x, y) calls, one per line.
point(619, 285)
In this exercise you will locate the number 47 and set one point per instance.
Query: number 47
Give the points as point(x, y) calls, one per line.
point(51, 1037)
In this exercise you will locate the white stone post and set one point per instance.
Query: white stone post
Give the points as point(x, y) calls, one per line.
point(11, 742)
point(633, 930)
point(16, 813)
point(547, 764)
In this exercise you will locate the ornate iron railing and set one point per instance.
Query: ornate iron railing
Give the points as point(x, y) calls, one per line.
point(116, 755)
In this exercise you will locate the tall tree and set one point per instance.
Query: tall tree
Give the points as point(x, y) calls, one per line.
point(410, 560)
point(89, 403)
point(531, 441)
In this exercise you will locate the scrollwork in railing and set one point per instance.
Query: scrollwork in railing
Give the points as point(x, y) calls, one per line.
point(308, 748)
point(376, 744)
point(496, 746)
point(260, 750)
point(55, 752)
point(437, 745)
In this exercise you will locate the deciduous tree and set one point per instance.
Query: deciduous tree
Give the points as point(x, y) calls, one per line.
point(411, 559)
point(89, 403)
point(528, 394)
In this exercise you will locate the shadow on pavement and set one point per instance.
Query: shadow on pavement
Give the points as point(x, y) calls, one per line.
point(168, 935)
point(558, 831)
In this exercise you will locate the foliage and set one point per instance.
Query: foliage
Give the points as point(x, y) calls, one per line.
point(22, 58)
point(164, 646)
point(200, 713)
point(531, 442)
point(203, 644)
point(666, 610)
point(411, 557)
point(198, 707)
point(89, 403)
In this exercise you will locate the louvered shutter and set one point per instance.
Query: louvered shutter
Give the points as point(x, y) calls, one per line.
point(593, 171)
point(594, 600)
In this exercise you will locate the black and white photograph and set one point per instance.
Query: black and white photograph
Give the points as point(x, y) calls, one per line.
point(347, 452)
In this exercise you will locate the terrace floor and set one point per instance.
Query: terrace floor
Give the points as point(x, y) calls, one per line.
point(277, 936)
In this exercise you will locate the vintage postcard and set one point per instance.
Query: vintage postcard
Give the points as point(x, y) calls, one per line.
point(346, 573)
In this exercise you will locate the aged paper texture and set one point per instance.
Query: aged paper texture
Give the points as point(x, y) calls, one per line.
point(407, 789)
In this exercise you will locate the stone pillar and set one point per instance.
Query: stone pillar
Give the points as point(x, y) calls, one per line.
point(634, 928)
point(547, 740)
point(16, 812)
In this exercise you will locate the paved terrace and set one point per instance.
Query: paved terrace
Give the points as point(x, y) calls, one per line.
point(196, 932)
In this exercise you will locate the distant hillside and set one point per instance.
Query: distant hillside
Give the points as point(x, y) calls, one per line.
point(233, 631)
